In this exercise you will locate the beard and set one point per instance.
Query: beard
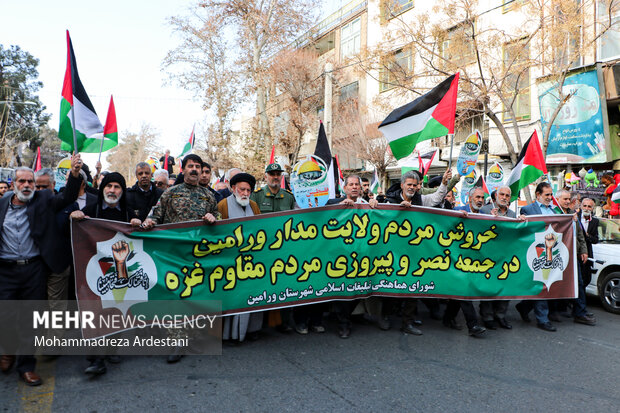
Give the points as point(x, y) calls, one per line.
point(243, 201)
point(23, 197)
point(586, 213)
point(110, 199)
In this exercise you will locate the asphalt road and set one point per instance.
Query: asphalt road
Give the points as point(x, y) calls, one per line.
point(525, 369)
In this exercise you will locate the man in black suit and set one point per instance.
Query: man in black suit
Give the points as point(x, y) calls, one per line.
point(589, 223)
point(29, 249)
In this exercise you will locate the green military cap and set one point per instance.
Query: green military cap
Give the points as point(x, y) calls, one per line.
point(274, 167)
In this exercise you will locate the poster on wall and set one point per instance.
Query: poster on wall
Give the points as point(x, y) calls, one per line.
point(578, 134)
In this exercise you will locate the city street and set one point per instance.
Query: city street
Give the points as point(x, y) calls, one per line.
point(524, 369)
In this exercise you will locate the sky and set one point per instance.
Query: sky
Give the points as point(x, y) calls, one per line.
point(119, 46)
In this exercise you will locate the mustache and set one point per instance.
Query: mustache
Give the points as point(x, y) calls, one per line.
point(193, 172)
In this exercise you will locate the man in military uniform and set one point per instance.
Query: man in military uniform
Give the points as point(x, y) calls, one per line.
point(187, 201)
point(272, 198)
point(184, 202)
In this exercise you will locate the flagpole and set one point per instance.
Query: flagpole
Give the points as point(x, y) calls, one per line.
point(451, 147)
point(73, 106)
point(101, 148)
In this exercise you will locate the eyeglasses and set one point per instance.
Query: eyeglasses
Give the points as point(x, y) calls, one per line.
point(274, 173)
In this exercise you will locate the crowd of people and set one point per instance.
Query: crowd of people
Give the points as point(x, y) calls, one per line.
point(35, 244)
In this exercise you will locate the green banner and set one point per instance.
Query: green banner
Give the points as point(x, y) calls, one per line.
point(330, 253)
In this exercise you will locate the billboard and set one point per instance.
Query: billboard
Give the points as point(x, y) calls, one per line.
point(579, 134)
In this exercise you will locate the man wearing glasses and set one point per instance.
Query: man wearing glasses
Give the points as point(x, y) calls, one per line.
point(144, 194)
point(271, 197)
point(160, 177)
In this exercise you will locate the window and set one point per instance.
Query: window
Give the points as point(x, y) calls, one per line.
point(609, 42)
point(396, 68)
point(392, 8)
point(350, 38)
point(350, 91)
point(566, 34)
point(325, 44)
point(517, 69)
point(457, 45)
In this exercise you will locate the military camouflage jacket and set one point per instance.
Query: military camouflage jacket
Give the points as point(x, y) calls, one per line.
point(184, 202)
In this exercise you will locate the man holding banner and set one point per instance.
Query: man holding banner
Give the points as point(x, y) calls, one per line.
point(29, 249)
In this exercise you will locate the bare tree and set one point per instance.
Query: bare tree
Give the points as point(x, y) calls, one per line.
point(356, 130)
point(297, 77)
point(496, 62)
point(133, 148)
point(260, 28)
point(203, 64)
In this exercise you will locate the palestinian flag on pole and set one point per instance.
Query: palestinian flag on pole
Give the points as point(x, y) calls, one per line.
point(429, 116)
point(110, 132)
point(425, 161)
point(37, 160)
point(189, 145)
point(374, 185)
point(340, 176)
point(555, 205)
point(615, 195)
point(77, 114)
point(530, 166)
point(482, 184)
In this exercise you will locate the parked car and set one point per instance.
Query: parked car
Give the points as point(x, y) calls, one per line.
point(606, 266)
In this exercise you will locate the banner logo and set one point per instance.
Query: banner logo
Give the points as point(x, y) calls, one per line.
point(547, 257)
point(121, 272)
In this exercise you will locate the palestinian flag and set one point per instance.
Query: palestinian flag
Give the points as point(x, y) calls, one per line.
point(189, 145)
point(374, 185)
point(615, 195)
point(75, 106)
point(429, 116)
point(37, 160)
point(482, 184)
point(340, 176)
point(425, 161)
point(530, 166)
point(555, 205)
point(110, 132)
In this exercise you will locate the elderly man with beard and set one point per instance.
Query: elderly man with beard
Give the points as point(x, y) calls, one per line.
point(111, 204)
point(476, 201)
point(144, 194)
point(29, 250)
point(494, 312)
point(239, 205)
point(408, 195)
point(187, 201)
point(580, 313)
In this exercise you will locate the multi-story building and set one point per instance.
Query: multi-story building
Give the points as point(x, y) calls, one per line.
point(384, 53)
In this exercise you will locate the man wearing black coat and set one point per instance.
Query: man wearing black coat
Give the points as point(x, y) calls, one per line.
point(589, 223)
point(29, 250)
point(144, 194)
